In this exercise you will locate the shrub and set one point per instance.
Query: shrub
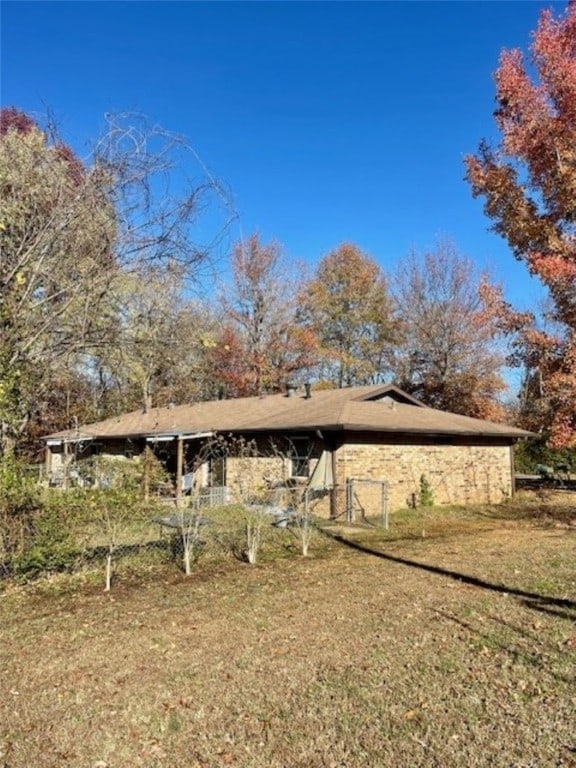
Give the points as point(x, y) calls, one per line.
point(144, 473)
point(19, 502)
point(529, 454)
point(51, 546)
point(425, 493)
point(35, 534)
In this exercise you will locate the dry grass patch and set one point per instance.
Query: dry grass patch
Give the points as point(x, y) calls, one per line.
point(455, 649)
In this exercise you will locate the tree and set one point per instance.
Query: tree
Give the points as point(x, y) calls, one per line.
point(69, 397)
point(446, 353)
point(529, 185)
point(57, 234)
point(156, 355)
point(347, 306)
point(114, 511)
point(72, 231)
point(261, 346)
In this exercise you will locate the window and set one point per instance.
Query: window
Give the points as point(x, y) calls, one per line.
point(217, 471)
point(299, 457)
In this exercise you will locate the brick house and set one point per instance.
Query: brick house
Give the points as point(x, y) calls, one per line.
point(315, 440)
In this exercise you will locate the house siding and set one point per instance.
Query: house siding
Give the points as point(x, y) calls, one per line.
point(457, 474)
point(459, 469)
point(266, 468)
point(248, 477)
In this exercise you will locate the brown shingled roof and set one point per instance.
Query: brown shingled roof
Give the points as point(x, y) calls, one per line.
point(353, 409)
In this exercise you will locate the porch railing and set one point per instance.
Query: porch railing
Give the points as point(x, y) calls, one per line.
point(214, 496)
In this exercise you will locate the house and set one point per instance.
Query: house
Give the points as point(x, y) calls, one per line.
point(378, 437)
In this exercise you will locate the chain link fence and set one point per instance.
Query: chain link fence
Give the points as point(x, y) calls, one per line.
point(114, 532)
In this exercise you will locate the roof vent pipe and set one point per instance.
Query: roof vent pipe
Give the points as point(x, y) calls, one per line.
point(308, 388)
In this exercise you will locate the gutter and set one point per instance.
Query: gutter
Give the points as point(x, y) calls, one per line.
point(51, 441)
point(521, 434)
point(163, 437)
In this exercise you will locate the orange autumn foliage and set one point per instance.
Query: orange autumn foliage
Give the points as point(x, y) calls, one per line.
point(529, 187)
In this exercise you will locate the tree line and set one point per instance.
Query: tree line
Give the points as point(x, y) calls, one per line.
point(98, 317)
point(98, 256)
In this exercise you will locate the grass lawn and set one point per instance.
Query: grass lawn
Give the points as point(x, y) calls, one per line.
point(393, 649)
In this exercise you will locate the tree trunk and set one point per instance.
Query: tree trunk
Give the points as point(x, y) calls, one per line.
point(187, 557)
point(108, 572)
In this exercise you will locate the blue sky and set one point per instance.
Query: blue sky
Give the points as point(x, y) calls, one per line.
point(329, 122)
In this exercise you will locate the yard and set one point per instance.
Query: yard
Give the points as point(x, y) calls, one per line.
point(456, 648)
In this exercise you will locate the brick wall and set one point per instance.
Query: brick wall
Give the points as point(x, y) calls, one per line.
point(266, 477)
point(258, 466)
point(250, 476)
point(457, 474)
point(460, 473)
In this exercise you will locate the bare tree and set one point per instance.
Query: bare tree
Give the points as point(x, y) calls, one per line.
point(56, 263)
point(157, 202)
point(70, 228)
point(250, 493)
point(447, 351)
point(158, 354)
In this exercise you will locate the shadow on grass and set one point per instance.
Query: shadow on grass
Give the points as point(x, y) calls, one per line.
point(532, 599)
point(544, 606)
point(534, 657)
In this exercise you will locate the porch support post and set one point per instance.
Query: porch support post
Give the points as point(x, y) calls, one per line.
point(65, 467)
point(179, 463)
point(146, 459)
point(47, 462)
point(334, 493)
point(512, 471)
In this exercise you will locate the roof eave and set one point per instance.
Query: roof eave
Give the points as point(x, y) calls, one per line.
point(424, 431)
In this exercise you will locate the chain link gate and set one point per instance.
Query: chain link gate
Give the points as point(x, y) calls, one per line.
point(369, 498)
